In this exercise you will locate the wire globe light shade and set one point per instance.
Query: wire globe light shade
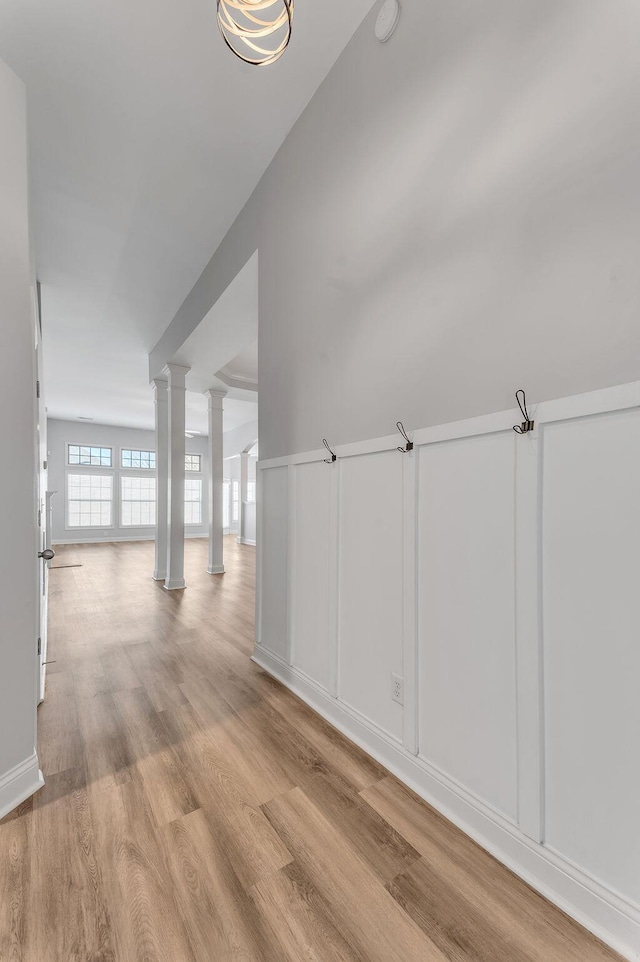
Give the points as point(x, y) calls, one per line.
point(257, 31)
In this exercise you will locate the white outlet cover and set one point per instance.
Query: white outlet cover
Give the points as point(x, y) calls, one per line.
point(387, 20)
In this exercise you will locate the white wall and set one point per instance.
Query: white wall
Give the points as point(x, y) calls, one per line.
point(495, 575)
point(453, 216)
point(19, 775)
point(237, 440)
point(61, 433)
point(231, 471)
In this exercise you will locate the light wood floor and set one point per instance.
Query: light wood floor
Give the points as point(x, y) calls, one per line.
point(195, 811)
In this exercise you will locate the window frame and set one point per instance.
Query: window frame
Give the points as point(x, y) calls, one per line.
point(116, 472)
point(195, 524)
point(138, 476)
point(147, 471)
point(100, 447)
point(235, 501)
point(226, 483)
point(94, 471)
point(189, 471)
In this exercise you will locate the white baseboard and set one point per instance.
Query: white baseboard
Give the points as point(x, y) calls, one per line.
point(246, 541)
point(117, 538)
point(19, 783)
point(216, 570)
point(609, 917)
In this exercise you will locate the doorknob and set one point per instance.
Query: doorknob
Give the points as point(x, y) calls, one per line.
point(47, 555)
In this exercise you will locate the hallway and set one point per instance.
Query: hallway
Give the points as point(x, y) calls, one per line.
point(196, 811)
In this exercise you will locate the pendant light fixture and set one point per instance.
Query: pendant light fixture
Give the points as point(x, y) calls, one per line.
point(257, 31)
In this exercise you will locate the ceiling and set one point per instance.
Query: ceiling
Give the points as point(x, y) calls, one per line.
point(244, 366)
point(146, 138)
point(225, 342)
point(221, 343)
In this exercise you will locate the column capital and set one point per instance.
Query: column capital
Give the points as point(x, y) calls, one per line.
point(160, 386)
point(215, 397)
point(176, 373)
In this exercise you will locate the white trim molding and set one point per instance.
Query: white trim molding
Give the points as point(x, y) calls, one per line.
point(121, 538)
point(19, 783)
point(514, 792)
point(613, 920)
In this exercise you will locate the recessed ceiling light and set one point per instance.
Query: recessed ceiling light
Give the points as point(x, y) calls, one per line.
point(81, 418)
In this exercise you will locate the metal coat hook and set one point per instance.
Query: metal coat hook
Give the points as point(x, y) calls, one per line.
point(334, 457)
point(409, 447)
point(527, 425)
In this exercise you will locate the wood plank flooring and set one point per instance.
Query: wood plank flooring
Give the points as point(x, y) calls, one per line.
point(196, 811)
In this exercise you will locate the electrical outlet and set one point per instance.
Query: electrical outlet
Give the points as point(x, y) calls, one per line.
point(397, 690)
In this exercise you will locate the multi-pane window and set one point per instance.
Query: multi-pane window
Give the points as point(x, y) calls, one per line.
point(193, 462)
point(251, 491)
point(90, 456)
point(235, 501)
point(226, 494)
point(137, 502)
point(145, 460)
point(192, 501)
point(89, 500)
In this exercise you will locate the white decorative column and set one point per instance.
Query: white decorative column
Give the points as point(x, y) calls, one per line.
point(175, 487)
point(216, 454)
point(244, 493)
point(161, 399)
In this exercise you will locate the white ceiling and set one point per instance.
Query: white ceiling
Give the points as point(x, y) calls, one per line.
point(146, 139)
point(224, 339)
point(236, 413)
point(223, 334)
point(244, 365)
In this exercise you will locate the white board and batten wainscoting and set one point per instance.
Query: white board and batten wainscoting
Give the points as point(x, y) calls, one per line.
point(490, 581)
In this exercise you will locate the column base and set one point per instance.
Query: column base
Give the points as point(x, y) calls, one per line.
point(215, 570)
point(175, 585)
point(159, 576)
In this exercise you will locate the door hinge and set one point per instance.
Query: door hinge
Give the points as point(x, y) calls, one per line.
point(37, 388)
point(39, 646)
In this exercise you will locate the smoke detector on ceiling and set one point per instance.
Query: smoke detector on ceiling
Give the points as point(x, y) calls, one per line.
point(387, 20)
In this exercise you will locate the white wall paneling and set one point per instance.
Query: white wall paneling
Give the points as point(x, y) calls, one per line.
point(334, 580)
point(311, 543)
point(591, 573)
point(467, 679)
point(410, 721)
point(370, 641)
point(291, 560)
point(274, 573)
point(497, 575)
point(528, 636)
